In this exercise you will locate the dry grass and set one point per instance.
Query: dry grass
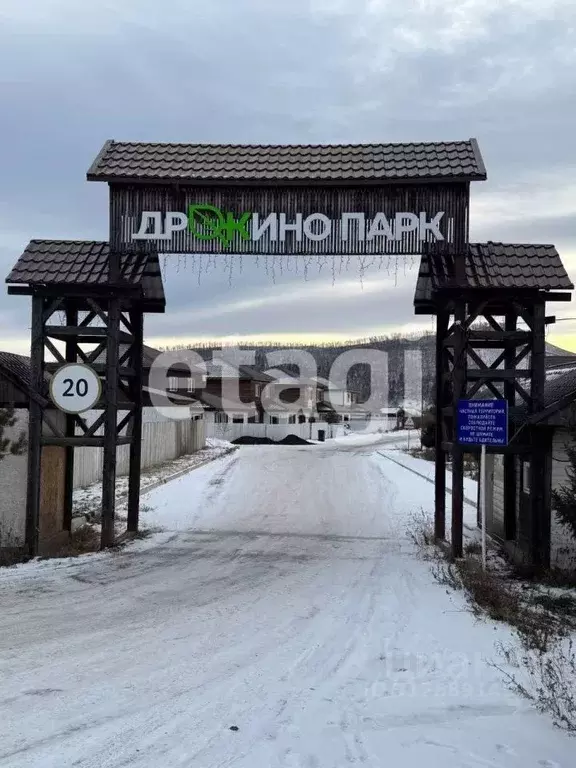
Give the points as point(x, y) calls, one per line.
point(82, 541)
point(12, 556)
point(545, 678)
point(420, 531)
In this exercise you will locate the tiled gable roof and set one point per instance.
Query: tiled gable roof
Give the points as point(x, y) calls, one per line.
point(494, 265)
point(254, 163)
point(84, 262)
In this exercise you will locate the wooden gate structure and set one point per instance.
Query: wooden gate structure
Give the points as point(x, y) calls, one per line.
point(327, 200)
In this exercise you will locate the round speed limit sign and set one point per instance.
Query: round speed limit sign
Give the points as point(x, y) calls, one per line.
point(75, 388)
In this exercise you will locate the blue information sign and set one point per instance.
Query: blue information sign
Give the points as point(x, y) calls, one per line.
point(483, 422)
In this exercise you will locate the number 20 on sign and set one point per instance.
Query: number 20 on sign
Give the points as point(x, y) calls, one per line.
point(75, 388)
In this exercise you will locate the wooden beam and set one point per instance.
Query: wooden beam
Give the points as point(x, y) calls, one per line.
point(499, 375)
point(558, 296)
point(522, 337)
point(539, 547)
point(35, 428)
point(91, 431)
point(84, 334)
point(71, 320)
point(53, 307)
point(126, 420)
point(99, 368)
point(80, 441)
point(510, 324)
point(60, 360)
point(110, 435)
point(137, 324)
point(442, 320)
point(459, 387)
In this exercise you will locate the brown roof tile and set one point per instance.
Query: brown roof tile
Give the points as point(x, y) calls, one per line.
point(84, 262)
point(306, 163)
point(495, 265)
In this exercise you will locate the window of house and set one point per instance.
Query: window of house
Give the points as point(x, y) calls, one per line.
point(274, 420)
point(237, 418)
point(292, 420)
point(173, 383)
point(251, 419)
point(191, 385)
point(220, 417)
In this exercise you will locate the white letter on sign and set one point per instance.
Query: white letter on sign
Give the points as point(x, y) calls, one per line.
point(156, 218)
point(379, 227)
point(405, 222)
point(296, 227)
point(325, 226)
point(432, 226)
point(270, 222)
point(347, 219)
point(174, 222)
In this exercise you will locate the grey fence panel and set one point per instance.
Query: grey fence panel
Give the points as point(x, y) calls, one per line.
point(161, 441)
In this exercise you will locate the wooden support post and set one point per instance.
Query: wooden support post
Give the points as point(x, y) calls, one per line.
point(137, 322)
point(110, 435)
point(71, 357)
point(510, 321)
point(442, 321)
point(540, 548)
point(459, 387)
point(35, 428)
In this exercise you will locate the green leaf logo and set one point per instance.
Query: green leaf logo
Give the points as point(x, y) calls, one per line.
point(207, 222)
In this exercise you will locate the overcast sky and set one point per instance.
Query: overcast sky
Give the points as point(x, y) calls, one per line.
point(73, 74)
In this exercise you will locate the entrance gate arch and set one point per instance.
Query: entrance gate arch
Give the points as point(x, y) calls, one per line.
point(393, 199)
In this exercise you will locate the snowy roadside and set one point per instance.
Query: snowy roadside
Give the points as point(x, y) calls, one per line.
point(86, 511)
point(87, 500)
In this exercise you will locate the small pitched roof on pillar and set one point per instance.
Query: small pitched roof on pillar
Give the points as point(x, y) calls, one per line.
point(84, 263)
point(493, 266)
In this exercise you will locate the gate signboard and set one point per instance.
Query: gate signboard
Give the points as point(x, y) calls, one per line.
point(483, 422)
point(288, 200)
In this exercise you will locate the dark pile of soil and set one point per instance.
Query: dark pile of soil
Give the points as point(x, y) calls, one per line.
point(288, 440)
point(246, 440)
point(293, 440)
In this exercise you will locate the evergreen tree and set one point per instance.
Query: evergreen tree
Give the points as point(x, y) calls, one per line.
point(564, 499)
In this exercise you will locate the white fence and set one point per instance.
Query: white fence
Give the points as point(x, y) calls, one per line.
point(161, 441)
point(277, 432)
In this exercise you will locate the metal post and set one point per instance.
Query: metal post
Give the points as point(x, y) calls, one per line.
point(35, 427)
point(483, 502)
point(137, 322)
point(110, 426)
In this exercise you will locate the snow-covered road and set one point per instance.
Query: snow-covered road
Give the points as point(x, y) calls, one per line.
point(285, 600)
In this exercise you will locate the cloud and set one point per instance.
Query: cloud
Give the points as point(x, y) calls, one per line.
point(74, 74)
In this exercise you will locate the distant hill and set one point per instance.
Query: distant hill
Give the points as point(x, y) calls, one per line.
point(400, 392)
